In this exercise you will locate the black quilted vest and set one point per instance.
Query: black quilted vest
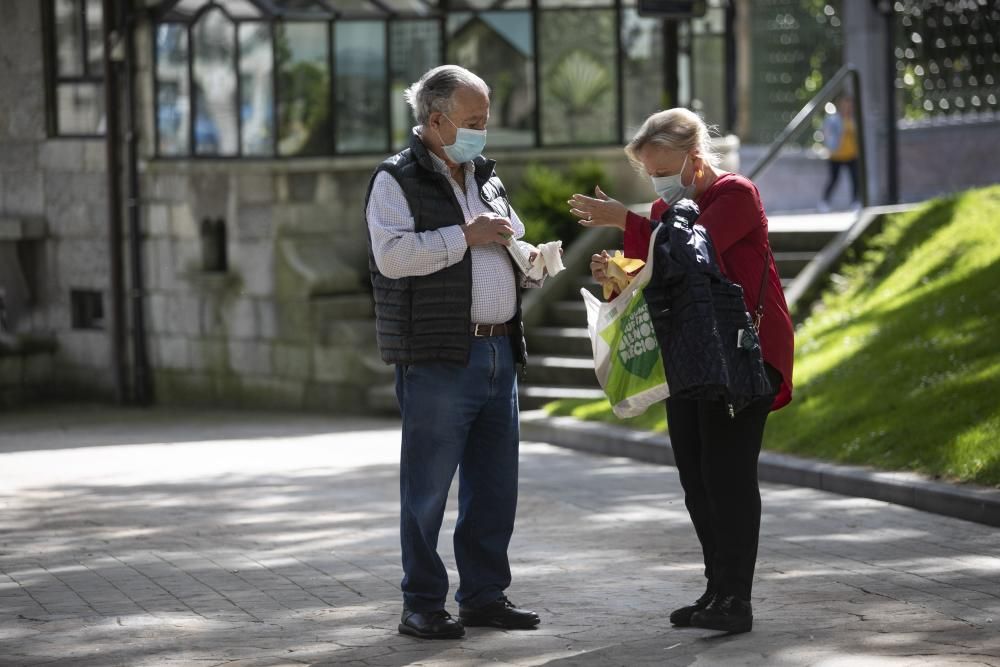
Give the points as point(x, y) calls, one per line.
point(427, 318)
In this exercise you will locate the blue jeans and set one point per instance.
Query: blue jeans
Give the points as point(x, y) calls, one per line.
point(463, 418)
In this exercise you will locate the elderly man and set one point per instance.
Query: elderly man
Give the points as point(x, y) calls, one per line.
point(448, 312)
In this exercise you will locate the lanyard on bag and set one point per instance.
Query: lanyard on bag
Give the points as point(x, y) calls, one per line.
point(759, 312)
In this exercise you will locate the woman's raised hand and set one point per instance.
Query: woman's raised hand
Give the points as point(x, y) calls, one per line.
point(599, 210)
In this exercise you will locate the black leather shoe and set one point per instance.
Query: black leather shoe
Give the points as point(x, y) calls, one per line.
point(727, 613)
point(501, 613)
point(682, 617)
point(430, 625)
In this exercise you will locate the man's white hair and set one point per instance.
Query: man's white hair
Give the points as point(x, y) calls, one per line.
point(434, 91)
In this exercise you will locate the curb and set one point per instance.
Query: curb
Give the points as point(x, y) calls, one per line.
point(971, 503)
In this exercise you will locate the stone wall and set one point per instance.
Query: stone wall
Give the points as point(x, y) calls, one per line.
point(56, 189)
point(287, 322)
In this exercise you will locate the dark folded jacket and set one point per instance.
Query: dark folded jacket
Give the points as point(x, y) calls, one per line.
point(698, 315)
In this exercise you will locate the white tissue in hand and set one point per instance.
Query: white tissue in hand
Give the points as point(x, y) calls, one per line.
point(548, 260)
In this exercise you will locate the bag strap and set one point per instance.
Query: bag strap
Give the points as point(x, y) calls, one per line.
point(759, 312)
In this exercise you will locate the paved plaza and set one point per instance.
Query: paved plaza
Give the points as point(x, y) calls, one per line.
point(252, 539)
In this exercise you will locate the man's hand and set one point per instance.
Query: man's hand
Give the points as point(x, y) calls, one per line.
point(486, 229)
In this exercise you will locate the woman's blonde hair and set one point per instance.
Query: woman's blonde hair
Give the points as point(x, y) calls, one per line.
point(676, 129)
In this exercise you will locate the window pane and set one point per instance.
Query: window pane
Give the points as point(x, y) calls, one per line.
point(173, 99)
point(185, 10)
point(69, 38)
point(411, 7)
point(256, 89)
point(416, 48)
point(483, 5)
point(642, 50)
point(214, 85)
point(80, 108)
point(95, 38)
point(361, 113)
point(708, 59)
point(498, 47)
point(577, 51)
point(303, 88)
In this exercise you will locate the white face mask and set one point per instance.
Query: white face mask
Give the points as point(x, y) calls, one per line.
point(671, 188)
point(468, 144)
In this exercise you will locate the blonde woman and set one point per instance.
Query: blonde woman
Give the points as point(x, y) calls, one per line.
point(716, 454)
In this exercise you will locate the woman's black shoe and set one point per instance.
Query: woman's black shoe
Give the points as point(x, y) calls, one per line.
point(501, 613)
point(430, 625)
point(727, 613)
point(682, 617)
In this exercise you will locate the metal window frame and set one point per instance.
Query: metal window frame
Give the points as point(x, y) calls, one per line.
point(50, 67)
point(273, 16)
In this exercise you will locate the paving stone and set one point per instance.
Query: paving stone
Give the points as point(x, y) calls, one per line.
point(169, 537)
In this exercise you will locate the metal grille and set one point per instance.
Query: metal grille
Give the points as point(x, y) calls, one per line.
point(947, 58)
point(796, 48)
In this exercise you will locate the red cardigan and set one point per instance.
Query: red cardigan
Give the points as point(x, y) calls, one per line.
point(732, 213)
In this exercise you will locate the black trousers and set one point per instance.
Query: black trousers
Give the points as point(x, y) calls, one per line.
point(831, 182)
point(716, 456)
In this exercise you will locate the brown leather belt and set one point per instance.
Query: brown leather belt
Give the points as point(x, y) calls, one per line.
point(483, 330)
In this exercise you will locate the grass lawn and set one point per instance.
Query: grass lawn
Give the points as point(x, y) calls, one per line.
point(898, 366)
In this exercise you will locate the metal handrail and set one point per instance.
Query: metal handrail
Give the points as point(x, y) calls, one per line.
point(818, 101)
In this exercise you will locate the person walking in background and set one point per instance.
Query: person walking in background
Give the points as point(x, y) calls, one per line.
point(715, 452)
point(448, 315)
point(840, 136)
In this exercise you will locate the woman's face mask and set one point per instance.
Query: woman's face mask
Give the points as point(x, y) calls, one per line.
point(671, 188)
point(468, 145)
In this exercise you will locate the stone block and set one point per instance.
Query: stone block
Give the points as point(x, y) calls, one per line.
point(162, 257)
point(84, 348)
point(187, 255)
point(336, 364)
point(328, 191)
point(334, 397)
point(182, 222)
point(24, 193)
point(267, 319)
point(292, 361)
point(83, 263)
point(249, 358)
point(18, 155)
point(270, 392)
point(173, 352)
point(210, 355)
point(157, 220)
point(254, 261)
point(62, 155)
point(173, 188)
point(11, 370)
point(241, 319)
point(38, 369)
point(254, 222)
point(156, 310)
point(183, 314)
point(150, 268)
point(95, 157)
point(255, 188)
point(294, 321)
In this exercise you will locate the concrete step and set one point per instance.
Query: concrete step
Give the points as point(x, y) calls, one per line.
point(532, 397)
point(572, 341)
point(800, 240)
point(790, 263)
point(567, 314)
point(561, 371)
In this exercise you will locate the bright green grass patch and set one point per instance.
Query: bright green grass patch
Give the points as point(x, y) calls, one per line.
point(898, 367)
